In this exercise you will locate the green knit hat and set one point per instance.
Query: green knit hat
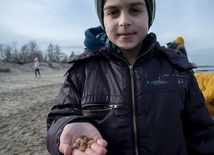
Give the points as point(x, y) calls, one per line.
point(149, 3)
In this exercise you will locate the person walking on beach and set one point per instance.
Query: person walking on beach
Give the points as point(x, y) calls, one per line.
point(128, 93)
point(37, 67)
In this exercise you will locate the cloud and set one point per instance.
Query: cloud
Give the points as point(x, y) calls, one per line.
point(190, 19)
point(64, 22)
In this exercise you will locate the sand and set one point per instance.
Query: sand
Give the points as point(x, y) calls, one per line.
point(24, 104)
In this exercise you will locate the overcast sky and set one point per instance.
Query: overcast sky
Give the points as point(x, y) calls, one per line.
point(63, 22)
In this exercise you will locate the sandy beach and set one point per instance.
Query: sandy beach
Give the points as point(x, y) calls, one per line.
point(25, 102)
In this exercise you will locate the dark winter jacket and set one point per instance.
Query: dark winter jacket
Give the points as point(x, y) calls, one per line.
point(151, 108)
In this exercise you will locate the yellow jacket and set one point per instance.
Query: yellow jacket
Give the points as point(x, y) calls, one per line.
point(206, 84)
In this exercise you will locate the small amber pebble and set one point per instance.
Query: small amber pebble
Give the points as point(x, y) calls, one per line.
point(78, 140)
point(82, 143)
point(90, 142)
point(82, 148)
point(76, 145)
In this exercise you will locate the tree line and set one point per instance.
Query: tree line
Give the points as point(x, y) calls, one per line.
point(29, 51)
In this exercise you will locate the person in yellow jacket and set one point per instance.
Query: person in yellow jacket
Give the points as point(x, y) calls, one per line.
point(205, 79)
point(206, 84)
point(178, 45)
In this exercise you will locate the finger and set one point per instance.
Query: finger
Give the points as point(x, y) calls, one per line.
point(102, 142)
point(65, 149)
point(98, 149)
point(89, 151)
point(77, 152)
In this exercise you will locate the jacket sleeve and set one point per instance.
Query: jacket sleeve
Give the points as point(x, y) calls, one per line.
point(197, 122)
point(66, 110)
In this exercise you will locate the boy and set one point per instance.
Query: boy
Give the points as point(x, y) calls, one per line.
point(132, 96)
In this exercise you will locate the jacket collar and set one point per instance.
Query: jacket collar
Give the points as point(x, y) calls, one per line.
point(176, 58)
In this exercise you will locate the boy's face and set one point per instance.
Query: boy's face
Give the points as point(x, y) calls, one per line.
point(126, 23)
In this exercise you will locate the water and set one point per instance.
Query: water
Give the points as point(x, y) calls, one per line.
point(204, 69)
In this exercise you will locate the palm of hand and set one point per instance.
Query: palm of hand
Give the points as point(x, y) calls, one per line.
point(75, 130)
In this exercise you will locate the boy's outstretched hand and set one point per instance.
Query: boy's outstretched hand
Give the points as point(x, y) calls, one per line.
point(75, 130)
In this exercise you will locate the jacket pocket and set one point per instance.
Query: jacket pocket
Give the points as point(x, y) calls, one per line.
point(99, 107)
point(100, 111)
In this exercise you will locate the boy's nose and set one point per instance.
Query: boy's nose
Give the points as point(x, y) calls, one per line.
point(124, 20)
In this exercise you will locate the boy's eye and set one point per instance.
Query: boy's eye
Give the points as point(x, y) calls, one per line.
point(135, 10)
point(113, 13)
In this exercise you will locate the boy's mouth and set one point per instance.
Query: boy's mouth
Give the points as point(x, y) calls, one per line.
point(126, 35)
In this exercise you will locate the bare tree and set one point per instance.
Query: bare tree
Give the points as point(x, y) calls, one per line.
point(50, 52)
point(25, 53)
point(57, 53)
point(72, 54)
point(29, 51)
point(34, 50)
point(15, 55)
point(1, 51)
point(8, 54)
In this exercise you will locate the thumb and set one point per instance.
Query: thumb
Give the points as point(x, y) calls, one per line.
point(65, 149)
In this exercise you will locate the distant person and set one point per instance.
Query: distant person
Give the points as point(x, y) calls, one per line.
point(36, 67)
point(178, 45)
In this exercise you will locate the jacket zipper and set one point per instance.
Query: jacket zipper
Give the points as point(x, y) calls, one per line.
point(133, 98)
point(133, 108)
point(108, 107)
point(133, 103)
